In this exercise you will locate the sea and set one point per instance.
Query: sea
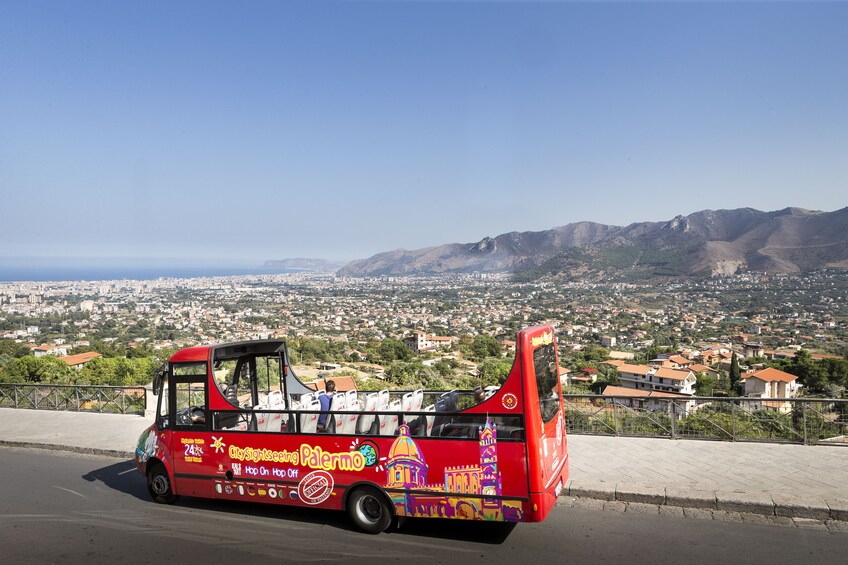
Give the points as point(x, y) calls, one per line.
point(41, 273)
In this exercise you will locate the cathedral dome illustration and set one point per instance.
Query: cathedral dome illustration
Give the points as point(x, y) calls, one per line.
point(404, 447)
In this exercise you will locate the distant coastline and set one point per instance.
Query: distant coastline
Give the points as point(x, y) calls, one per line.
point(41, 273)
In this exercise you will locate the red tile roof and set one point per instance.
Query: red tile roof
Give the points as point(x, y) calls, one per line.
point(770, 374)
point(80, 358)
point(673, 374)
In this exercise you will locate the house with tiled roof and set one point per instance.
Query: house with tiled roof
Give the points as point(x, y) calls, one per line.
point(77, 361)
point(704, 369)
point(660, 379)
point(51, 349)
point(653, 400)
point(771, 383)
point(680, 362)
point(419, 341)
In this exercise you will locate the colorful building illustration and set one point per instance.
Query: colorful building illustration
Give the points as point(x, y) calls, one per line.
point(406, 469)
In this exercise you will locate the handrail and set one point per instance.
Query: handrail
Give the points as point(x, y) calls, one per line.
point(76, 398)
point(811, 421)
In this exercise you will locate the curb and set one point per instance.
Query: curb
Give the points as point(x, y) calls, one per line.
point(70, 448)
point(765, 504)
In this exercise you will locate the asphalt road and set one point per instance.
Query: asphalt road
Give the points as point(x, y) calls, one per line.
point(69, 508)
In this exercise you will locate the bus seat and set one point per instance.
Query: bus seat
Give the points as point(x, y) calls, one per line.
point(261, 418)
point(338, 403)
point(407, 401)
point(365, 421)
point(417, 399)
point(309, 422)
point(447, 401)
point(445, 407)
point(490, 391)
point(429, 419)
point(383, 400)
point(349, 420)
point(273, 420)
point(389, 422)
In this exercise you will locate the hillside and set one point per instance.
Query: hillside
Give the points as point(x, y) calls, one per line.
point(708, 242)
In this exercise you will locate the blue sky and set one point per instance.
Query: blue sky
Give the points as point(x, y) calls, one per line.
point(245, 131)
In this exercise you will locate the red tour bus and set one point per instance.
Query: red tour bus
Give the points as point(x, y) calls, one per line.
point(234, 422)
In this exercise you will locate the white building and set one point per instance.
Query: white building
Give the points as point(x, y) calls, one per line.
point(660, 379)
point(771, 383)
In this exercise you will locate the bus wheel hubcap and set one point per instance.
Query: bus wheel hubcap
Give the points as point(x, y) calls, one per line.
point(369, 509)
point(160, 484)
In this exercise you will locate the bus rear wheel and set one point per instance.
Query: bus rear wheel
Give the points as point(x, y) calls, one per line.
point(159, 484)
point(369, 510)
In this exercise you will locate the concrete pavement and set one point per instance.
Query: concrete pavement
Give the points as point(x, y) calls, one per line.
point(776, 480)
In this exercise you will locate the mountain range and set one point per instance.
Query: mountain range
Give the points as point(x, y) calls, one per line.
point(709, 242)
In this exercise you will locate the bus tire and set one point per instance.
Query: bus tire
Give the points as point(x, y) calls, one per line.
point(159, 484)
point(369, 510)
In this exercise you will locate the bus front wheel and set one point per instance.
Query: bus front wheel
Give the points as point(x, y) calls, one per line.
point(369, 510)
point(159, 484)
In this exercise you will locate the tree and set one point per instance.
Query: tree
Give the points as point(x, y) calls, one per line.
point(485, 346)
point(735, 373)
point(29, 369)
point(494, 371)
point(401, 374)
point(445, 367)
point(704, 384)
point(13, 349)
point(392, 349)
point(810, 373)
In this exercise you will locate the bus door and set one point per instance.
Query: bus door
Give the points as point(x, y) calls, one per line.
point(190, 448)
point(545, 411)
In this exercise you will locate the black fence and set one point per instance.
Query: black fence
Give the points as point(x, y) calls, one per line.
point(108, 399)
point(788, 420)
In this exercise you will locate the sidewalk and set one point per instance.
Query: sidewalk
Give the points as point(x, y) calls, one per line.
point(796, 481)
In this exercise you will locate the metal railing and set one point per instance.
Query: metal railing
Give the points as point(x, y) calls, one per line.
point(788, 420)
point(109, 399)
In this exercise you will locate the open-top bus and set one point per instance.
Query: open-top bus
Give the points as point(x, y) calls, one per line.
point(235, 422)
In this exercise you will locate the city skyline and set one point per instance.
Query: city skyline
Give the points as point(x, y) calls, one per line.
point(241, 133)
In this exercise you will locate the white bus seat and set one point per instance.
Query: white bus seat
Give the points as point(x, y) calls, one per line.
point(364, 422)
point(338, 403)
point(417, 400)
point(261, 417)
point(349, 420)
point(309, 422)
point(273, 420)
point(389, 422)
point(407, 401)
point(383, 400)
point(430, 419)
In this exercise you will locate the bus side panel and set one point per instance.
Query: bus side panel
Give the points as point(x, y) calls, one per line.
point(473, 480)
point(154, 444)
point(461, 478)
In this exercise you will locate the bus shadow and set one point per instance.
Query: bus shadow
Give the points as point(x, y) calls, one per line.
point(121, 477)
point(494, 533)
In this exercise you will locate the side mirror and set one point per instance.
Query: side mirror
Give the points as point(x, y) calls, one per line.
point(159, 379)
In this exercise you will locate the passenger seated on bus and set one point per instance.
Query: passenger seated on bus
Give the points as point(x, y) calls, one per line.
point(326, 399)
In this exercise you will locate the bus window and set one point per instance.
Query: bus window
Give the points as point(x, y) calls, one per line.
point(468, 426)
point(190, 404)
point(544, 364)
point(224, 373)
